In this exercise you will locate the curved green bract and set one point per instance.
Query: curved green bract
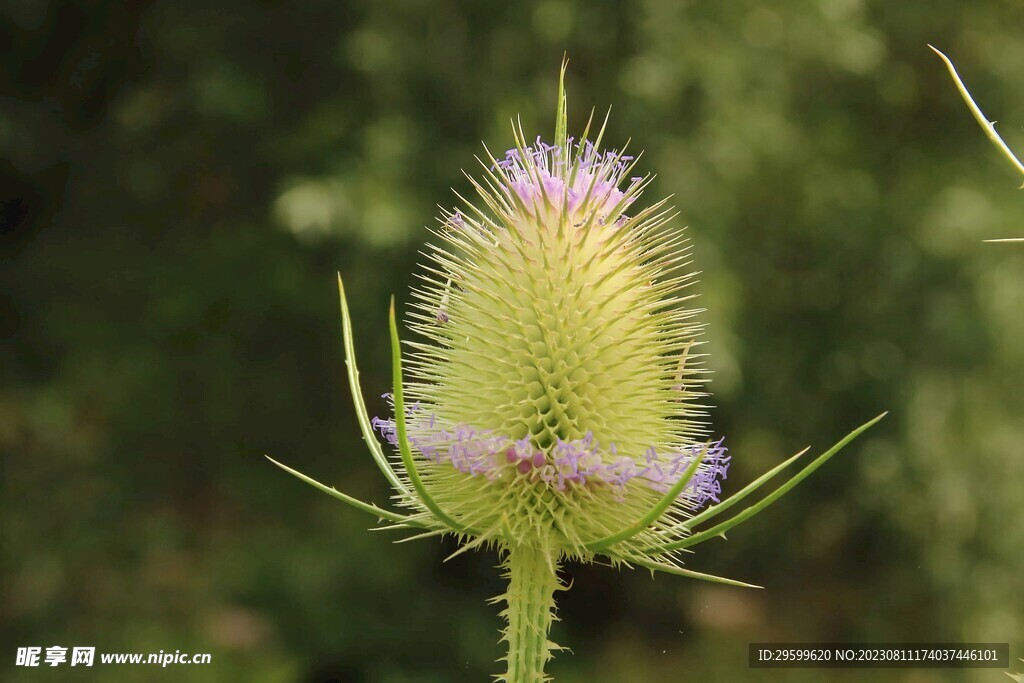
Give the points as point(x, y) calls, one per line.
point(357, 396)
point(656, 512)
point(720, 529)
point(354, 502)
point(403, 441)
point(716, 510)
point(689, 573)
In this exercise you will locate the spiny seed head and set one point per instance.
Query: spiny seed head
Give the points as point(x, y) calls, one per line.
point(553, 395)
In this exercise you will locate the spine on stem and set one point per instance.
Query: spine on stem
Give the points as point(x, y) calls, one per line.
point(529, 611)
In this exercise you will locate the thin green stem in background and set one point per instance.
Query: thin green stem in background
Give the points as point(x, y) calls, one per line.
point(986, 125)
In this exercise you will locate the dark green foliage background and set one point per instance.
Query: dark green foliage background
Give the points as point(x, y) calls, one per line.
point(181, 181)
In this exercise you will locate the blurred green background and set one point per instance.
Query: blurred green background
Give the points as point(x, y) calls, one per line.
point(180, 182)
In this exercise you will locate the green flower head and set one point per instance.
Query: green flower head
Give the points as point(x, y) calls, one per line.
point(551, 404)
point(554, 394)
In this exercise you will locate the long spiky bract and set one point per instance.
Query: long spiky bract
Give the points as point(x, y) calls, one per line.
point(551, 405)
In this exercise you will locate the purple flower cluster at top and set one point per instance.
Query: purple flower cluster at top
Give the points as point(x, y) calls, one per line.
point(543, 170)
point(570, 463)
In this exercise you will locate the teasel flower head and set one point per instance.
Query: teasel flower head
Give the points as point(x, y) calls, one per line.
point(551, 403)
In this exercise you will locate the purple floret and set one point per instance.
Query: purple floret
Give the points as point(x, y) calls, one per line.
point(578, 462)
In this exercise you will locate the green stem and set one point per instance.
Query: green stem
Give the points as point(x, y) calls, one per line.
point(530, 611)
point(986, 125)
